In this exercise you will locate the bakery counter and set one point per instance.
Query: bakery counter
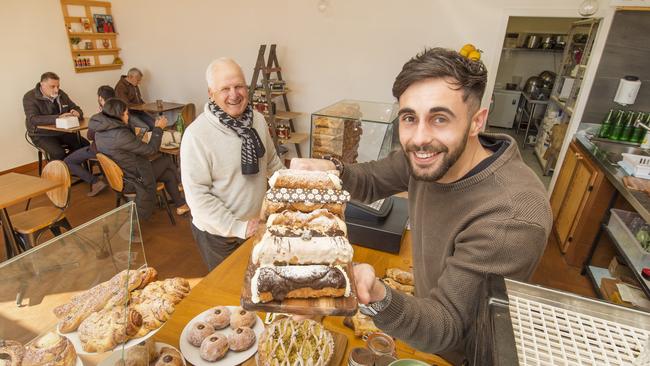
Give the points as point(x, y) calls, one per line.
point(223, 286)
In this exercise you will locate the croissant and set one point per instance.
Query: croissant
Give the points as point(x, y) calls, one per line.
point(50, 350)
point(12, 352)
point(154, 313)
point(104, 330)
point(113, 292)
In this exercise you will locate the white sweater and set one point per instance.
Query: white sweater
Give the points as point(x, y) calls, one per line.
point(222, 200)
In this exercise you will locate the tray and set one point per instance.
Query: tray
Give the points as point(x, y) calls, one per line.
point(340, 344)
point(338, 306)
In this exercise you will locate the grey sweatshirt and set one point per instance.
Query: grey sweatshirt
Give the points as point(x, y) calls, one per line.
point(495, 221)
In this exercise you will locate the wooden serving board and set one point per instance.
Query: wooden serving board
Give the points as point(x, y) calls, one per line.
point(337, 306)
point(340, 343)
point(637, 184)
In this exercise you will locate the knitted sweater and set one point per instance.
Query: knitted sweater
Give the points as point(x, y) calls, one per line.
point(222, 200)
point(495, 221)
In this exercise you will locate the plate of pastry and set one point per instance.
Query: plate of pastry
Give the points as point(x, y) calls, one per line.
point(146, 353)
point(97, 343)
point(223, 335)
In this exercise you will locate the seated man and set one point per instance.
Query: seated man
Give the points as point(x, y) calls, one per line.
point(43, 105)
point(227, 155)
point(76, 160)
point(128, 90)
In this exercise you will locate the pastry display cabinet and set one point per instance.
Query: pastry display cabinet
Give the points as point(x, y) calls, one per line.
point(354, 131)
point(50, 274)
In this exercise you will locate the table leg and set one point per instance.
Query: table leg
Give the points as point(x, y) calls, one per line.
point(9, 234)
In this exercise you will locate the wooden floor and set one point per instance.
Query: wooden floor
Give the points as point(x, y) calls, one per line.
point(172, 251)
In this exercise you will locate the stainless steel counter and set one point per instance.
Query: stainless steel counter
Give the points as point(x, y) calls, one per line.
point(614, 173)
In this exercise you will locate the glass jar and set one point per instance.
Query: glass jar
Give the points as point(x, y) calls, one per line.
point(381, 344)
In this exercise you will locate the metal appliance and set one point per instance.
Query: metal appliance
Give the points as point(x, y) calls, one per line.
point(502, 114)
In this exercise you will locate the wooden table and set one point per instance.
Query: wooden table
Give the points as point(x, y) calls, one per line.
point(16, 188)
point(222, 286)
point(153, 107)
point(83, 125)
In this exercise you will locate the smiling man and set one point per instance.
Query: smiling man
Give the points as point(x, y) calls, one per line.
point(227, 155)
point(474, 206)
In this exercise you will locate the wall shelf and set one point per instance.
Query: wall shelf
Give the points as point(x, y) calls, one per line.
point(99, 57)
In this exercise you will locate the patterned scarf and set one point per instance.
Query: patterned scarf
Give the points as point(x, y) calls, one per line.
point(251, 148)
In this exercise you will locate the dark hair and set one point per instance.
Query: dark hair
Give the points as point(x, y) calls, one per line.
point(106, 92)
point(467, 75)
point(49, 75)
point(115, 108)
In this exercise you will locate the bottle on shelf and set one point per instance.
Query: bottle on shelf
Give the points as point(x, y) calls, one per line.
point(606, 126)
point(628, 129)
point(617, 128)
point(180, 124)
point(639, 132)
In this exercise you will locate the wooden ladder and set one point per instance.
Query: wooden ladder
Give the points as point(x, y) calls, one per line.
point(263, 69)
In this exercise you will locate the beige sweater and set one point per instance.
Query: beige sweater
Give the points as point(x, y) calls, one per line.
point(222, 200)
point(496, 221)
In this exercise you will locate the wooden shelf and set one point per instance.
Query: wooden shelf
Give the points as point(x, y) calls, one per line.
point(296, 138)
point(562, 104)
point(285, 115)
point(96, 51)
point(92, 35)
point(98, 68)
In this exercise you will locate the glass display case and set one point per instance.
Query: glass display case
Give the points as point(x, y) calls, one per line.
point(354, 131)
point(43, 279)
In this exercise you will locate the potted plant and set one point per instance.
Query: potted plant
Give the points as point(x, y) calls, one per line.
point(75, 42)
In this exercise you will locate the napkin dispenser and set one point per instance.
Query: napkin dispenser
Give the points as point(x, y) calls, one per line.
point(67, 122)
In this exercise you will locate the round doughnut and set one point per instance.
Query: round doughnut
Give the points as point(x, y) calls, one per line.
point(241, 339)
point(219, 317)
point(214, 347)
point(242, 318)
point(198, 332)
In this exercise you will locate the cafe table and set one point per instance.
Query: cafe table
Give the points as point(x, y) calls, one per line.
point(153, 107)
point(16, 188)
point(83, 125)
point(223, 286)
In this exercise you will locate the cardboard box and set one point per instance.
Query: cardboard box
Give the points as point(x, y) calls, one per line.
point(67, 122)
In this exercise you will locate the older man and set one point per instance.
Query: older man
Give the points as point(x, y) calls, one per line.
point(43, 105)
point(128, 90)
point(474, 205)
point(227, 155)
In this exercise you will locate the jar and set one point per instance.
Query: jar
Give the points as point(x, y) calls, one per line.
point(105, 43)
point(381, 344)
point(361, 357)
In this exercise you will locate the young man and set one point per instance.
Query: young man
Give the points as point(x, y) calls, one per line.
point(43, 105)
point(76, 160)
point(474, 206)
point(227, 155)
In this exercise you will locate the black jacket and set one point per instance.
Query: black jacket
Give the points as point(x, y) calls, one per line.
point(118, 141)
point(40, 111)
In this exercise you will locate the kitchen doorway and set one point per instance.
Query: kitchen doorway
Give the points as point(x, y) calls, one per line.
point(531, 57)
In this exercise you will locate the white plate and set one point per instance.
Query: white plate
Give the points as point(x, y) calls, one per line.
point(117, 354)
point(232, 358)
point(74, 338)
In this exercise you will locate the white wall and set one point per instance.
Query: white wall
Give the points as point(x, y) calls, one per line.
point(34, 40)
point(352, 50)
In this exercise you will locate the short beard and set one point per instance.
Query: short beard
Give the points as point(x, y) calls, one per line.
point(448, 160)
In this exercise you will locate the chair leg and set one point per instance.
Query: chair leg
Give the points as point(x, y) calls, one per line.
point(118, 199)
point(163, 197)
point(40, 163)
point(56, 230)
point(65, 223)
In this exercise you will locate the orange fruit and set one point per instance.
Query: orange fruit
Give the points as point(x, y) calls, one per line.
point(468, 48)
point(474, 55)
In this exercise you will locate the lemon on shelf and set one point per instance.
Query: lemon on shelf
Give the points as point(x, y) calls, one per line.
point(467, 49)
point(474, 55)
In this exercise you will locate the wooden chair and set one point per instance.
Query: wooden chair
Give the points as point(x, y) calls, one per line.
point(115, 177)
point(43, 156)
point(30, 224)
point(189, 113)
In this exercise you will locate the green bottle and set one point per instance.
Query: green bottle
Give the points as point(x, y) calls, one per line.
point(617, 129)
point(606, 126)
point(628, 129)
point(639, 132)
point(180, 124)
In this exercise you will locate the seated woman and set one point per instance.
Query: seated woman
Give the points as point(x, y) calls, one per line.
point(117, 140)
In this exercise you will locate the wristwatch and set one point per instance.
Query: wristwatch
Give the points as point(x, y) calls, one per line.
point(337, 163)
point(374, 308)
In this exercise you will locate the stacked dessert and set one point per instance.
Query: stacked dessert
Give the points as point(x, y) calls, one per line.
point(304, 251)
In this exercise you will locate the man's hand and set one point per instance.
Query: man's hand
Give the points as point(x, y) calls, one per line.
point(66, 114)
point(369, 289)
point(161, 122)
point(311, 164)
point(75, 113)
point(251, 227)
